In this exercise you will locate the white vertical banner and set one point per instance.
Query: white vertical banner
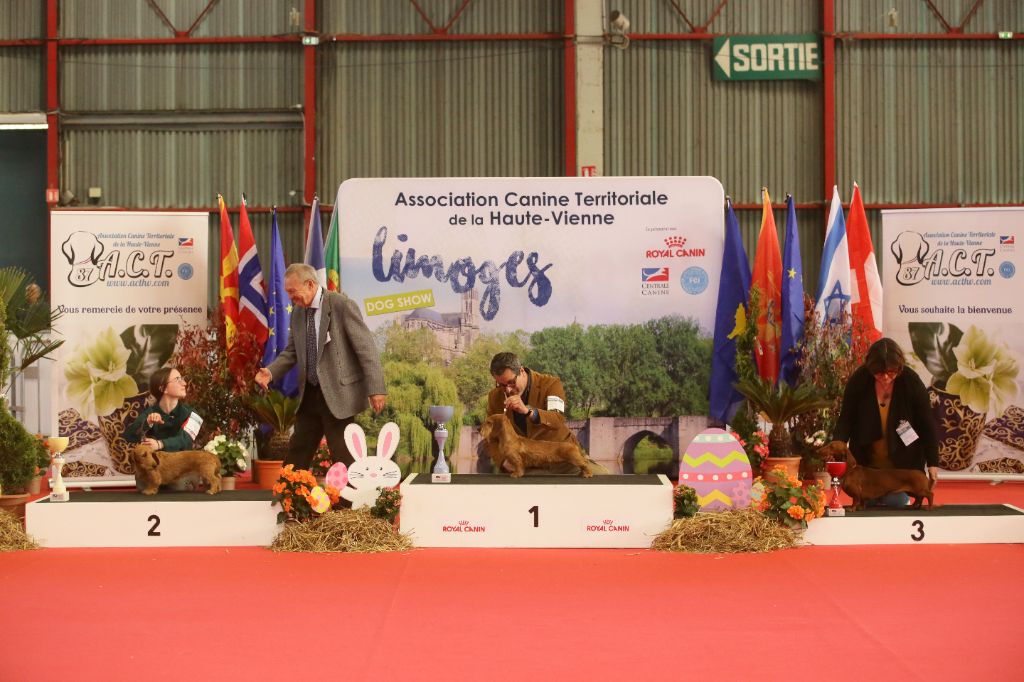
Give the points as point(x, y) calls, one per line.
point(953, 301)
point(124, 282)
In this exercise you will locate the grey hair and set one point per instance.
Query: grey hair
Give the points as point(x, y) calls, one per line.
point(302, 271)
point(503, 361)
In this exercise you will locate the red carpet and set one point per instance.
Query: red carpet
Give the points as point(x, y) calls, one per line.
point(927, 612)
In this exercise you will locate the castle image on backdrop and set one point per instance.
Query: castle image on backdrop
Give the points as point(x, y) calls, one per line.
point(455, 332)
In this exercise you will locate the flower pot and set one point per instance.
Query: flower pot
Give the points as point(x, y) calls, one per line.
point(227, 482)
point(267, 472)
point(791, 465)
point(14, 504)
point(35, 486)
point(959, 428)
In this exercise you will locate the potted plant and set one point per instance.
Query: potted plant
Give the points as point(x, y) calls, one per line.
point(321, 462)
point(232, 455)
point(296, 491)
point(779, 404)
point(783, 498)
point(25, 320)
point(973, 376)
point(277, 412)
point(35, 486)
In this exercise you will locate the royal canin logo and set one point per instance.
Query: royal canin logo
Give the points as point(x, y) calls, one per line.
point(607, 526)
point(463, 527)
point(675, 248)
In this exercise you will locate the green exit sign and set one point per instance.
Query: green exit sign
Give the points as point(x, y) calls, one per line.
point(758, 58)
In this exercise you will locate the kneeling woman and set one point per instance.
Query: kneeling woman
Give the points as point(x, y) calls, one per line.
point(886, 417)
point(168, 424)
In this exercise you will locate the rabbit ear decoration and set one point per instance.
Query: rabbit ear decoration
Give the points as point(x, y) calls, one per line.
point(355, 441)
point(337, 476)
point(387, 440)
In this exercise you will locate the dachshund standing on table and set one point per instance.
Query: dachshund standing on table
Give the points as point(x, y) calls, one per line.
point(155, 468)
point(505, 444)
point(866, 483)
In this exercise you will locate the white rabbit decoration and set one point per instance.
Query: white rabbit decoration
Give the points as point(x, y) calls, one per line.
point(368, 474)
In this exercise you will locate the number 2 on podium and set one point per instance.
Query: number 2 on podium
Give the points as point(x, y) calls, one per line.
point(535, 510)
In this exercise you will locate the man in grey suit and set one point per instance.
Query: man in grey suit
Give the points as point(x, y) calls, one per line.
point(345, 369)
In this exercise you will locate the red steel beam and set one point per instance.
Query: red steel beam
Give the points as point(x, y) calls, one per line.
point(569, 88)
point(309, 111)
point(202, 15)
point(436, 37)
point(924, 36)
point(828, 67)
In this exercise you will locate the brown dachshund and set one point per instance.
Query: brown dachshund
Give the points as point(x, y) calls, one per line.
point(155, 468)
point(866, 483)
point(504, 444)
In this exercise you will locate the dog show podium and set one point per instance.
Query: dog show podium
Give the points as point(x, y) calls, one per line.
point(950, 524)
point(231, 518)
point(494, 510)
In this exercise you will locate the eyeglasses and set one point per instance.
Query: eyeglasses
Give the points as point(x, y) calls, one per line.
point(891, 373)
point(178, 380)
point(507, 384)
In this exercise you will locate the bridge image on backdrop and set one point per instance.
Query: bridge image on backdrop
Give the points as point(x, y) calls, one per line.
point(610, 441)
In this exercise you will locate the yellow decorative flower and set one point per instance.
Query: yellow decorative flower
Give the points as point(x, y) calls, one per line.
point(97, 375)
point(986, 374)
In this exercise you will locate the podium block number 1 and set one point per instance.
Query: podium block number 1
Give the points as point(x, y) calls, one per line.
point(535, 510)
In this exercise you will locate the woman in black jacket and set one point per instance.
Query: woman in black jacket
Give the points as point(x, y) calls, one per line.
point(886, 417)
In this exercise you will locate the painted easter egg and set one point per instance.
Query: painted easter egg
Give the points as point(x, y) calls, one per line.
point(715, 465)
point(337, 476)
point(321, 501)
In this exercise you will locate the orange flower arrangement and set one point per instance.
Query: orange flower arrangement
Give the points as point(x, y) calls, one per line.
point(295, 491)
point(783, 498)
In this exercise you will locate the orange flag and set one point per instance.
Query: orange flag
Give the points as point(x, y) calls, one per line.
point(228, 275)
point(767, 279)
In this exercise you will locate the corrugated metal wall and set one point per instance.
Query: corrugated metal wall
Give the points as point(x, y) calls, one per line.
point(931, 121)
point(399, 109)
point(913, 16)
point(738, 16)
point(480, 16)
point(187, 78)
point(137, 19)
point(22, 79)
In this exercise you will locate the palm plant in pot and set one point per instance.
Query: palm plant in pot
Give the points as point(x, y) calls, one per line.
point(779, 404)
point(277, 413)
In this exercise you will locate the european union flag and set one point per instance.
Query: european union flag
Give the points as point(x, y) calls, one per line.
point(792, 298)
point(730, 320)
point(279, 314)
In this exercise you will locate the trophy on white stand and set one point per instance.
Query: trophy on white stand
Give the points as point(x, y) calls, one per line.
point(57, 445)
point(441, 415)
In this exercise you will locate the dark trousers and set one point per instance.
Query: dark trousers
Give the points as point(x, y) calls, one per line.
point(314, 421)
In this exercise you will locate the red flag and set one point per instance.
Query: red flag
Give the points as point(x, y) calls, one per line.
point(865, 284)
point(767, 279)
point(252, 303)
point(228, 275)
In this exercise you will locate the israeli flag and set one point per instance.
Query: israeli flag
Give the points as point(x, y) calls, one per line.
point(833, 299)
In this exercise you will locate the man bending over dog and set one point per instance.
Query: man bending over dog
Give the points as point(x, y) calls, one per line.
point(535, 404)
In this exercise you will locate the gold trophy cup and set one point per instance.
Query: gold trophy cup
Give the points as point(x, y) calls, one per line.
point(57, 445)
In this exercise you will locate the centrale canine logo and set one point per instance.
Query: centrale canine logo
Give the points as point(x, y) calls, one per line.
point(675, 247)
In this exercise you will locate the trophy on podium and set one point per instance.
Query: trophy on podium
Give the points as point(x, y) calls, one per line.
point(441, 415)
point(57, 445)
point(836, 470)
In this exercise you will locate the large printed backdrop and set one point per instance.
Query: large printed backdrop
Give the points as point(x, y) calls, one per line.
point(953, 302)
point(124, 283)
point(462, 255)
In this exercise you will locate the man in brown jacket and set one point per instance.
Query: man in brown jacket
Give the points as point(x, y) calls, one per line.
point(535, 403)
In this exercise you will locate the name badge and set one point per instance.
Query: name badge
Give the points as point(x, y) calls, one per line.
point(192, 424)
point(906, 432)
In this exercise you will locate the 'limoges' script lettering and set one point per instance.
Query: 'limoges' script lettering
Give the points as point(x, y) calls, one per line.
point(463, 273)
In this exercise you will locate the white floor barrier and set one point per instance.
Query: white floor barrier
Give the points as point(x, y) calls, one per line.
point(483, 510)
point(946, 524)
point(232, 518)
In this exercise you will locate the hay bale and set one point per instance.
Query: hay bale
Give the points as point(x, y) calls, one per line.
point(344, 530)
point(737, 530)
point(12, 536)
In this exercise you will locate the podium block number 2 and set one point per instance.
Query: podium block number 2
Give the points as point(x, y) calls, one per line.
point(535, 510)
point(156, 524)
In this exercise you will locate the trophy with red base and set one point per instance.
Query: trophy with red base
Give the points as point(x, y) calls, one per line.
point(836, 470)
